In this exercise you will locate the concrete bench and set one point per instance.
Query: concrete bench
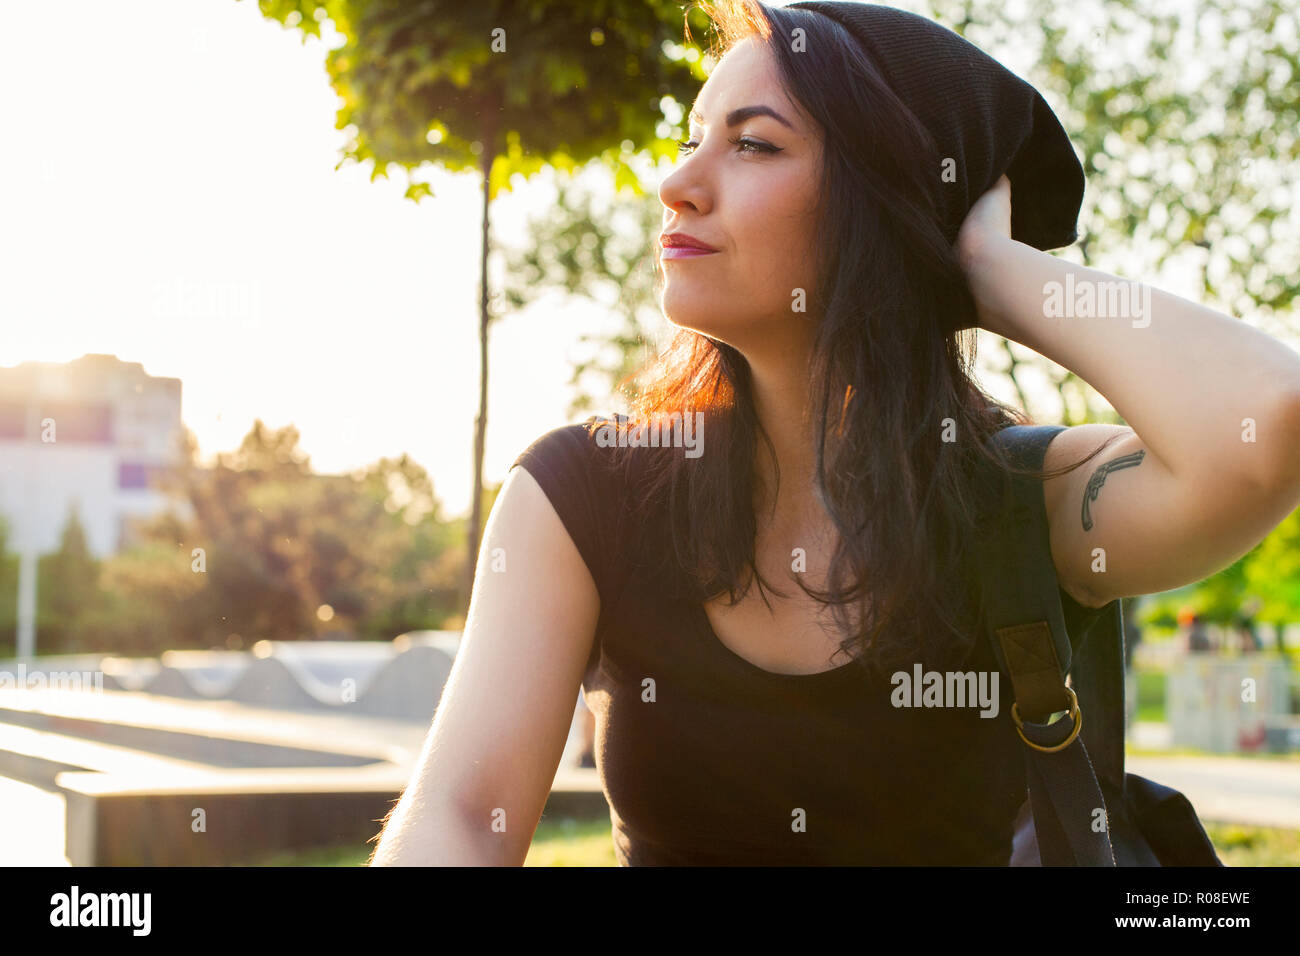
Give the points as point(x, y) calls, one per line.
point(160, 782)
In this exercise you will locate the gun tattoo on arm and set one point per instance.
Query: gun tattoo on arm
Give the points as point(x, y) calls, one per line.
point(1099, 478)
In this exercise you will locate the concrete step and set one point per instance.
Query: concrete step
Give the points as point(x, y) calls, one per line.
point(141, 780)
point(37, 757)
point(31, 826)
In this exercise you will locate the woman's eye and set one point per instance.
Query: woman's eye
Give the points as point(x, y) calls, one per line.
point(685, 147)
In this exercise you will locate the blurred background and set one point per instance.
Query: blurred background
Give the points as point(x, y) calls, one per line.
point(287, 285)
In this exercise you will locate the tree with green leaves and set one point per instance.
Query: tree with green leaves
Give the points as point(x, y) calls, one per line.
point(1175, 165)
point(1186, 127)
point(1272, 576)
point(1186, 124)
point(602, 252)
point(505, 87)
point(8, 593)
point(69, 584)
point(261, 547)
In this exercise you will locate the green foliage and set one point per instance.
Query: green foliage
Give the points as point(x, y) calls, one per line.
point(1188, 141)
point(505, 87)
point(536, 82)
point(557, 841)
point(145, 604)
point(1219, 596)
point(1184, 130)
point(67, 585)
point(604, 253)
point(1159, 173)
point(261, 544)
point(1265, 580)
point(1243, 845)
point(8, 593)
point(1151, 686)
point(1273, 572)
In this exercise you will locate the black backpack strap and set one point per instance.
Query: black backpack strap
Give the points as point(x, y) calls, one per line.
point(1098, 678)
point(1026, 629)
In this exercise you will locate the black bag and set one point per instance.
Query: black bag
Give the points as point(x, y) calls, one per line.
point(1082, 809)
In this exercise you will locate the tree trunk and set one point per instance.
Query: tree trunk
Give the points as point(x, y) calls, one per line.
point(480, 423)
point(1013, 364)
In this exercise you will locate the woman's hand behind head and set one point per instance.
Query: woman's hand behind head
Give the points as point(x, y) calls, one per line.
point(989, 218)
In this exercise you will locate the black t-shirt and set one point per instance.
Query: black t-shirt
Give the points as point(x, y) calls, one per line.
point(707, 759)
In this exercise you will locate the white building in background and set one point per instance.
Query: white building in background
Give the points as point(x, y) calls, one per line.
point(92, 433)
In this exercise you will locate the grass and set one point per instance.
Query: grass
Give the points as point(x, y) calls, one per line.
point(567, 842)
point(558, 842)
point(1150, 696)
point(1254, 846)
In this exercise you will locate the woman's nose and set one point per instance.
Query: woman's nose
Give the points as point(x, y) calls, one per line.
point(683, 189)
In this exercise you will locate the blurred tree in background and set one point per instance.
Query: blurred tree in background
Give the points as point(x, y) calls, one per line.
point(1265, 582)
point(1187, 132)
point(263, 549)
point(8, 591)
point(505, 87)
point(69, 586)
point(1186, 118)
point(602, 251)
point(1188, 142)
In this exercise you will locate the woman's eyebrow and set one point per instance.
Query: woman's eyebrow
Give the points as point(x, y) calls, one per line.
point(737, 116)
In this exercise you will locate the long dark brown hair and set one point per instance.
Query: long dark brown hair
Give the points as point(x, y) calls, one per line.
point(890, 374)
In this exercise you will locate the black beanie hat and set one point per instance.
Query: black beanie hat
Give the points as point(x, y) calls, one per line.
point(986, 118)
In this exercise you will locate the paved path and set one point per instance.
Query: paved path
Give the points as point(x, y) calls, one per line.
point(31, 825)
point(1254, 790)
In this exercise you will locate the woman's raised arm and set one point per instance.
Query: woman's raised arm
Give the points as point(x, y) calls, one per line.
point(1210, 460)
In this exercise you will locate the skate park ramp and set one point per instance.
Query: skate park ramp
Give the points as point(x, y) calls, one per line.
point(219, 757)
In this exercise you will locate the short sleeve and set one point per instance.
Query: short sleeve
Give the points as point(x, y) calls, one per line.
point(1028, 446)
point(564, 462)
point(1079, 619)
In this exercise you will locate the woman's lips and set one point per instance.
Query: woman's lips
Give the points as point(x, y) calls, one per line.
point(684, 252)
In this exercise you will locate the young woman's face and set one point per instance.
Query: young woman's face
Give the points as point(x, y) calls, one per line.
point(752, 200)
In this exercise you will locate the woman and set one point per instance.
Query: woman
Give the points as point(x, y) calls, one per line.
point(820, 343)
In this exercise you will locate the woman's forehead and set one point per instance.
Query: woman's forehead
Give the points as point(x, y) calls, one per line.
point(745, 73)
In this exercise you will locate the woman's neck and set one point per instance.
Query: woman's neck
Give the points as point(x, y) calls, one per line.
point(779, 388)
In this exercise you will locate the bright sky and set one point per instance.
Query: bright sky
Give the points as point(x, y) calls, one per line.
point(163, 149)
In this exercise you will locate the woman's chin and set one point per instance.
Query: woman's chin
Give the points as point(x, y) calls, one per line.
point(694, 313)
point(693, 322)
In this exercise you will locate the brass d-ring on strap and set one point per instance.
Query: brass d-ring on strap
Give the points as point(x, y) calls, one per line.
point(1075, 714)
